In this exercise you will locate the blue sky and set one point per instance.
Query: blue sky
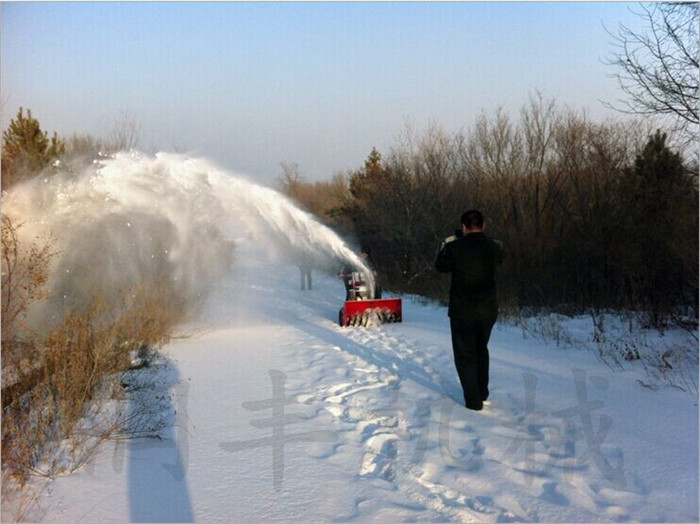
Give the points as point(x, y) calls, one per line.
point(252, 84)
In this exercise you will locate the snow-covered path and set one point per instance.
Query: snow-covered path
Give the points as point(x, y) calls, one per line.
point(285, 416)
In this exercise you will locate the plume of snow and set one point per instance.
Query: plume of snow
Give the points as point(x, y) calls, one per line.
point(167, 219)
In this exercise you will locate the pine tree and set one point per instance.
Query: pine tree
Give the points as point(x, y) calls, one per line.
point(656, 189)
point(657, 163)
point(367, 188)
point(363, 183)
point(26, 149)
point(373, 164)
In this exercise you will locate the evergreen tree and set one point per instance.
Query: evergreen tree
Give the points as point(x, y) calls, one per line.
point(26, 149)
point(373, 164)
point(657, 189)
point(657, 165)
point(364, 182)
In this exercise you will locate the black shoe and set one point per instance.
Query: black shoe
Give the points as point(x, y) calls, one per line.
point(475, 407)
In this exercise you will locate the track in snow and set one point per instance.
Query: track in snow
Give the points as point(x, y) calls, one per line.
point(291, 417)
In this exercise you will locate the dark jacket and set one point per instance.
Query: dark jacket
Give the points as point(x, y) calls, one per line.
point(347, 269)
point(472, 260)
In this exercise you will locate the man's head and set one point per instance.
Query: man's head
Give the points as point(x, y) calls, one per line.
point(472, 221)
point(365, 251)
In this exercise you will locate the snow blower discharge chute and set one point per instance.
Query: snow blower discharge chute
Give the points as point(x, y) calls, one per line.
point(362, 309)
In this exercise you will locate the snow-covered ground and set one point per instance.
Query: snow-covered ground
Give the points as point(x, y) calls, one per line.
point(284, 416)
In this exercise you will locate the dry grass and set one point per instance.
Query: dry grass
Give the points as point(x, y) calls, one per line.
point(78, 359)
point(54, 387)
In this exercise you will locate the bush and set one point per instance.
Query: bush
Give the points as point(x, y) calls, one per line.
point(51, 382)
point(24, 274)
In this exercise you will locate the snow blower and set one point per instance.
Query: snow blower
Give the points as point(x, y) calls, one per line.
point(362, 309)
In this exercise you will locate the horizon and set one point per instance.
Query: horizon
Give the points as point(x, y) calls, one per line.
point(251, 85)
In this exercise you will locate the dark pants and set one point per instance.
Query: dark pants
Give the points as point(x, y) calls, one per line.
point(305, 277)
point(470, 345)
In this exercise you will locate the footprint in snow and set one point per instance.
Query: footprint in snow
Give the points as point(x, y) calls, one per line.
point(379, 458)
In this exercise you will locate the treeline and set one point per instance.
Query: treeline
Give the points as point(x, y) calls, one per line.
point(28, 150)
point(594, 215)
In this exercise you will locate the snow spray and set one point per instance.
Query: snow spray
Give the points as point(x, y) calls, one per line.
point(134, 218)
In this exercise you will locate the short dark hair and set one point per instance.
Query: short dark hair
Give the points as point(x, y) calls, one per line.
point(473, 219)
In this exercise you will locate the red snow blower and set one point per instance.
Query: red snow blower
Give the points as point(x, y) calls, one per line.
point(361, 309)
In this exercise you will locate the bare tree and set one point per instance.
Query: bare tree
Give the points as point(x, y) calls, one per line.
point(658, 67)
point(126, 133)
point(290, 181)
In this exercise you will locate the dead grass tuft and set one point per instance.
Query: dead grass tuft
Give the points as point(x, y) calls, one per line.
point(54, 386)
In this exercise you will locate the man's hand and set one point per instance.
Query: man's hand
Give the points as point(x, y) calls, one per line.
point(449, 239)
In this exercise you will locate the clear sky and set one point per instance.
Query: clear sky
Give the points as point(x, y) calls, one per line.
point(252, 84)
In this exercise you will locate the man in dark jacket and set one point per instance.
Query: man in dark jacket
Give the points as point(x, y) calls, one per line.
point(346, 271)
point(472, 259)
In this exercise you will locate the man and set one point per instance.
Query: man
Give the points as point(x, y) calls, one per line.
point(346, 271)
point(305, 265)
point(472, 259)
point(366, 256)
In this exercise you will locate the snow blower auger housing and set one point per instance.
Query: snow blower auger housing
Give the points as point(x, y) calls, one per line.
point(362, 310)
